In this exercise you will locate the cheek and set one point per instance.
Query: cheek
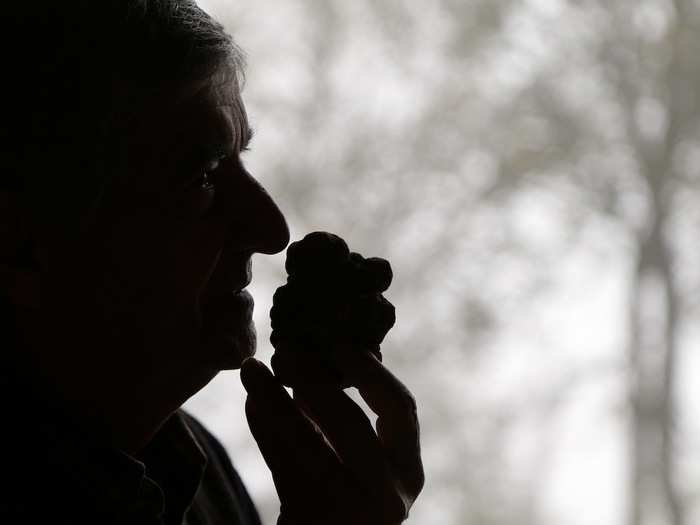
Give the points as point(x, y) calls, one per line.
point(195, 255)
point(155, 256)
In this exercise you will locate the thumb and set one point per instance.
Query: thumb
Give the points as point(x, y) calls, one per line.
point(264, 407)
point(292, 447)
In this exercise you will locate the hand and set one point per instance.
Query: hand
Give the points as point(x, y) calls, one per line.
point(328, 464)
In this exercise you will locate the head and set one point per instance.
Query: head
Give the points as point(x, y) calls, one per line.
point(129, 215)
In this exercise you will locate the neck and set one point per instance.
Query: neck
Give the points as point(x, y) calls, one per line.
point(121, 402)
point(130, 419)
point(114, 407)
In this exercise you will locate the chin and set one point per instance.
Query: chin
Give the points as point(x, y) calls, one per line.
point(227, 352)
point(228, 331)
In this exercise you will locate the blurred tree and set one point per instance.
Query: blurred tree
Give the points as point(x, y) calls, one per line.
point(433, 133)
point(652, 67)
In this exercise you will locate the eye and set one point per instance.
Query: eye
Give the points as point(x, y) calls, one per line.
point(204, 180)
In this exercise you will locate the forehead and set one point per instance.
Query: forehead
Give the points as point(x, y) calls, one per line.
point(168, 135)
point(215, 113)
point(209, 107)
point(204, 107)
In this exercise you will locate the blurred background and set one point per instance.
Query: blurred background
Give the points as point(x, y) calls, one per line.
point(532, 171)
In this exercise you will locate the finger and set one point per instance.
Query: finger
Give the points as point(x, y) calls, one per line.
point(343, 422)
point(348, 430)
point(287, 366)
point(351, 435)
point(306, 411)
point(293, 450)
point(397, 423)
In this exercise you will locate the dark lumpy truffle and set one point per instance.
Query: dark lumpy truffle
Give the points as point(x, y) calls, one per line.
point(332, 295)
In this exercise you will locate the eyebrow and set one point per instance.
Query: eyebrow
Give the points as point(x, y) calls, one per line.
point(247, 137)
point(224, 145)
point(242, 126)
point(223, 138)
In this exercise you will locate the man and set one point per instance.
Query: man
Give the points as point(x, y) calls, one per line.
point(129, 223)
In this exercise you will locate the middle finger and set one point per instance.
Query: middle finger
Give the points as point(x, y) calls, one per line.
point(347, 428)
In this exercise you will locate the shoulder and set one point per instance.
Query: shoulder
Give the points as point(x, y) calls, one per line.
point(221, 487)
point(211, 446)
point(203, 436)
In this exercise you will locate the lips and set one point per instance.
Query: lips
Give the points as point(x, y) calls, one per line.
point(227, 327)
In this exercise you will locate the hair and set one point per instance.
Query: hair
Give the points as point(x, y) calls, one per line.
point(71, 67)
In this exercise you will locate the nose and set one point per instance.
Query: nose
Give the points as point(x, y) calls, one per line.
point(268, 225)
point(255, 222)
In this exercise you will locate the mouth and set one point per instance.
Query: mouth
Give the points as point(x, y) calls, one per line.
point(238, 299)
point(228, 329)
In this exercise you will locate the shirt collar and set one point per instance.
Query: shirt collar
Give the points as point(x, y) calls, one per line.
point(176, 462)
point(159, 481)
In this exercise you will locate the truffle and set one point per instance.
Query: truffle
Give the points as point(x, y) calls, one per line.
point(332, 295)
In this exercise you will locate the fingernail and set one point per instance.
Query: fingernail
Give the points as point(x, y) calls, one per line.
point(255, 375)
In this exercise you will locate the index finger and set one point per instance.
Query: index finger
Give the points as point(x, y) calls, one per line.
point(397, 424)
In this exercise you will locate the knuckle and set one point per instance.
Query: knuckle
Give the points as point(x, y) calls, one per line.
point(395, 507)
point(418, 482)
point(409, 404)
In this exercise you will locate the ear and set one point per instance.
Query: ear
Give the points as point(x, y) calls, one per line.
point(19, 275)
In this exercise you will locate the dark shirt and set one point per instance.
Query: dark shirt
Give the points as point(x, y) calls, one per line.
point(51, 474)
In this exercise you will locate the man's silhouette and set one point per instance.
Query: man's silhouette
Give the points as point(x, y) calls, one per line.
point(129, 223)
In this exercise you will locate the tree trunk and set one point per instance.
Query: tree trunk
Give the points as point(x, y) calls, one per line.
point(653, 360)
